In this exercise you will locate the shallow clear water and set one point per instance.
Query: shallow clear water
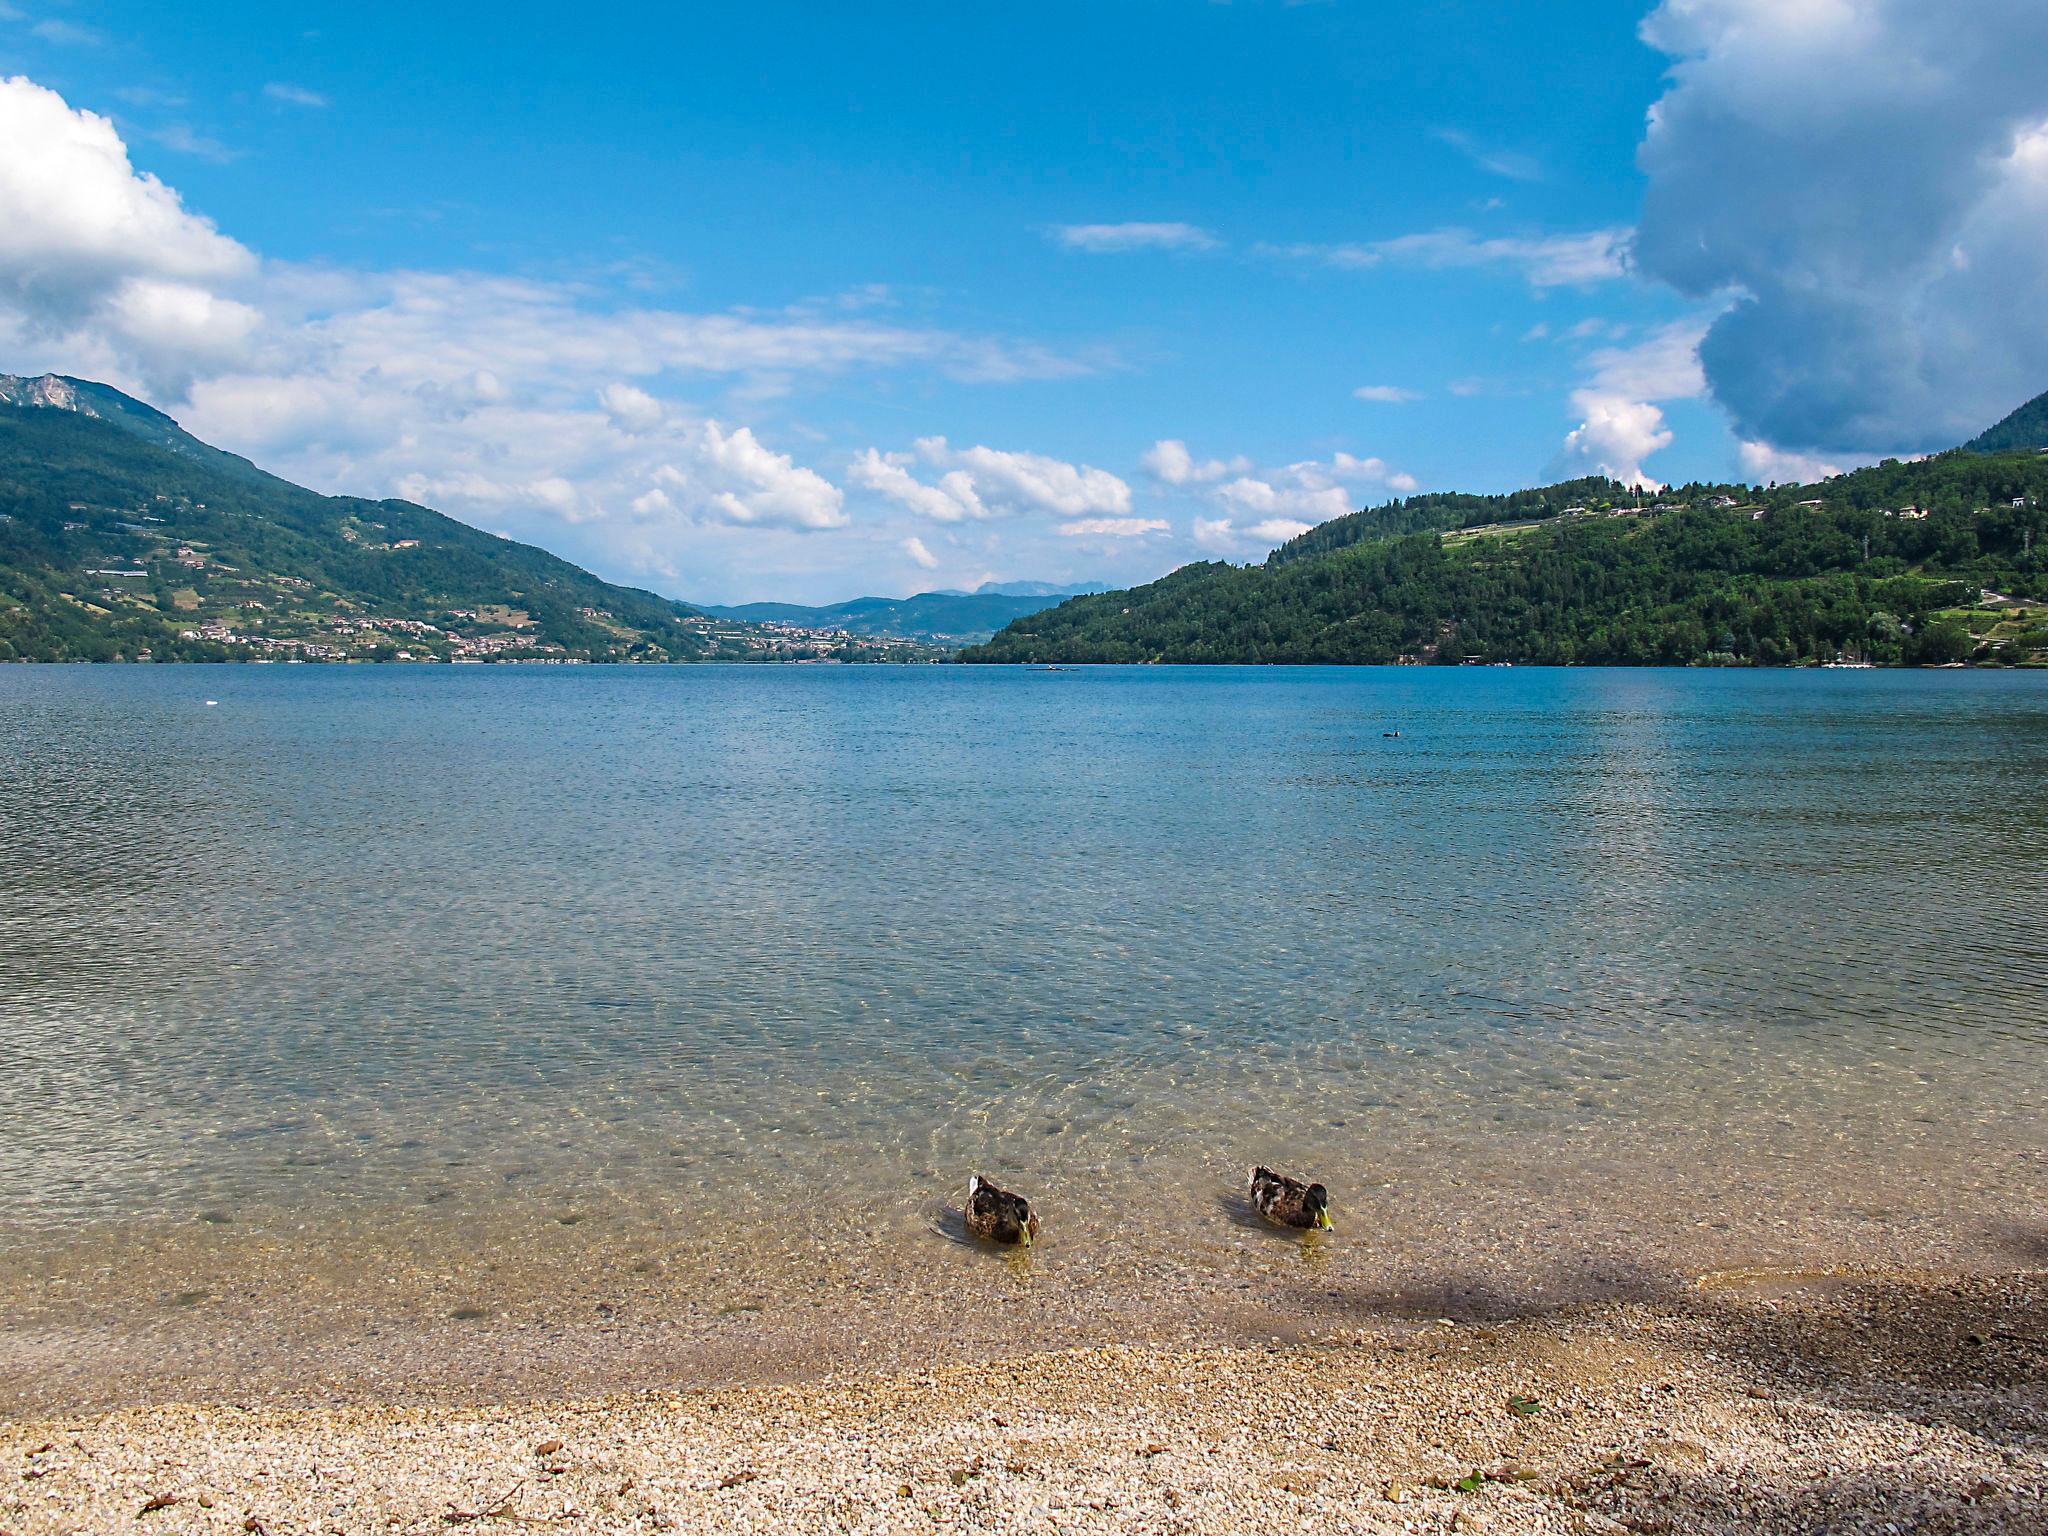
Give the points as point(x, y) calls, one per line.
point(1671, 967)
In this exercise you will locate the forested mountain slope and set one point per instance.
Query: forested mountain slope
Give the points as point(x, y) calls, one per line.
point(123, 536)
point(1890, 564)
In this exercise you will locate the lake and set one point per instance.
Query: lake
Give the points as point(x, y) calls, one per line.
point(561, 1027)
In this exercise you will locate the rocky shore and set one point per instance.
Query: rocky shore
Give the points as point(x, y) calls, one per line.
point(1752, 1403)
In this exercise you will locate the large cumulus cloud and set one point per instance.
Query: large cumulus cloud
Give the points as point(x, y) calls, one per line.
point(88, 242)
point(1869, 178)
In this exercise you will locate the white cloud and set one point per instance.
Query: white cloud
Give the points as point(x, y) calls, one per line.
point(980, 483)
point(1385, 394)
point(1170, 462)
point(1224, 536)
point(1371, 470)
point(914, 547)
point(1114, 527)
point(1665, 365)
point(87, 241)
point(1762, 464)
point(1314, 503)
point(1620, 420)
point(1031, 481)
point(1544, 261)
point(293, 95)
point(1614, 435)
point(952, 500)
point(1271, 506)
point(1870, 181)
point(1112, 238)
point(751, 484)
point(631, 408)
point(1308, 492)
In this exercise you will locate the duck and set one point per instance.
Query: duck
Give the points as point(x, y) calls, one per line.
point(1288, 1202)
point(997, 1216)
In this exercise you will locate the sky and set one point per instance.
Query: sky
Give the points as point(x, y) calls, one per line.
point(803, 302)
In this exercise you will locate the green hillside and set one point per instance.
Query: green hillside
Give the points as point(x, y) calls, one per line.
point(121, 536)
point(1890, 565)
point(2026, 429)
point(1441, 511)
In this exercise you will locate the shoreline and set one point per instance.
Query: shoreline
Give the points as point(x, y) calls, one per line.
point(1763, 1401)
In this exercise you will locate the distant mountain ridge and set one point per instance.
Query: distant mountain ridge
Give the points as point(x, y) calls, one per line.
point(958, 617)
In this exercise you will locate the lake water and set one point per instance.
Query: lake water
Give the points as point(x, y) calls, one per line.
point(523, 1027)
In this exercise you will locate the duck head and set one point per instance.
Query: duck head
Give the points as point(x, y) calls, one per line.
point(1319, 1203)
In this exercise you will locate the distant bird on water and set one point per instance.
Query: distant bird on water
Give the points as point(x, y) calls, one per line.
point(1288, 1202)
point(997, 1216)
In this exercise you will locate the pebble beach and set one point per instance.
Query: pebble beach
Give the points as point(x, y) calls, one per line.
point(1742, 1403)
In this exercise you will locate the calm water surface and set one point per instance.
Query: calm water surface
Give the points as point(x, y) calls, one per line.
point(720, 970)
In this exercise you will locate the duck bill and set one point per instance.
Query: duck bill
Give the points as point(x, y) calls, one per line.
point(1324, 1223)
point(1023, 1237)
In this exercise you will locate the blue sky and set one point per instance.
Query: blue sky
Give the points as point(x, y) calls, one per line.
point(803, 301)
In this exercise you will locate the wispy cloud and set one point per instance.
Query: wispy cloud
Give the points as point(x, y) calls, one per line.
point(184, 140)
point(1510, 163)
point(1114, 527)
point(1111, 238)
point(66, 34)
point(149, 96)
point(293, 95)
point(1544, 261)
point(1385, 394)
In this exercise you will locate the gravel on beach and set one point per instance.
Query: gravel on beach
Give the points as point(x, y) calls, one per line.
point(1900, 1404)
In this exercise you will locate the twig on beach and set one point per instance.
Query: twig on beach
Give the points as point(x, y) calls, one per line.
point(502, 1510)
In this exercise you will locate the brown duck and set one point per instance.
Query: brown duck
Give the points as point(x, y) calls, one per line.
point(997, 1216)
point(1288, 1202)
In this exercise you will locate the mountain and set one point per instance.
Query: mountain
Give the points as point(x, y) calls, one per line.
point(2025, 429)
point(955, 617)
point(122, 536)
point(1940, 560)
